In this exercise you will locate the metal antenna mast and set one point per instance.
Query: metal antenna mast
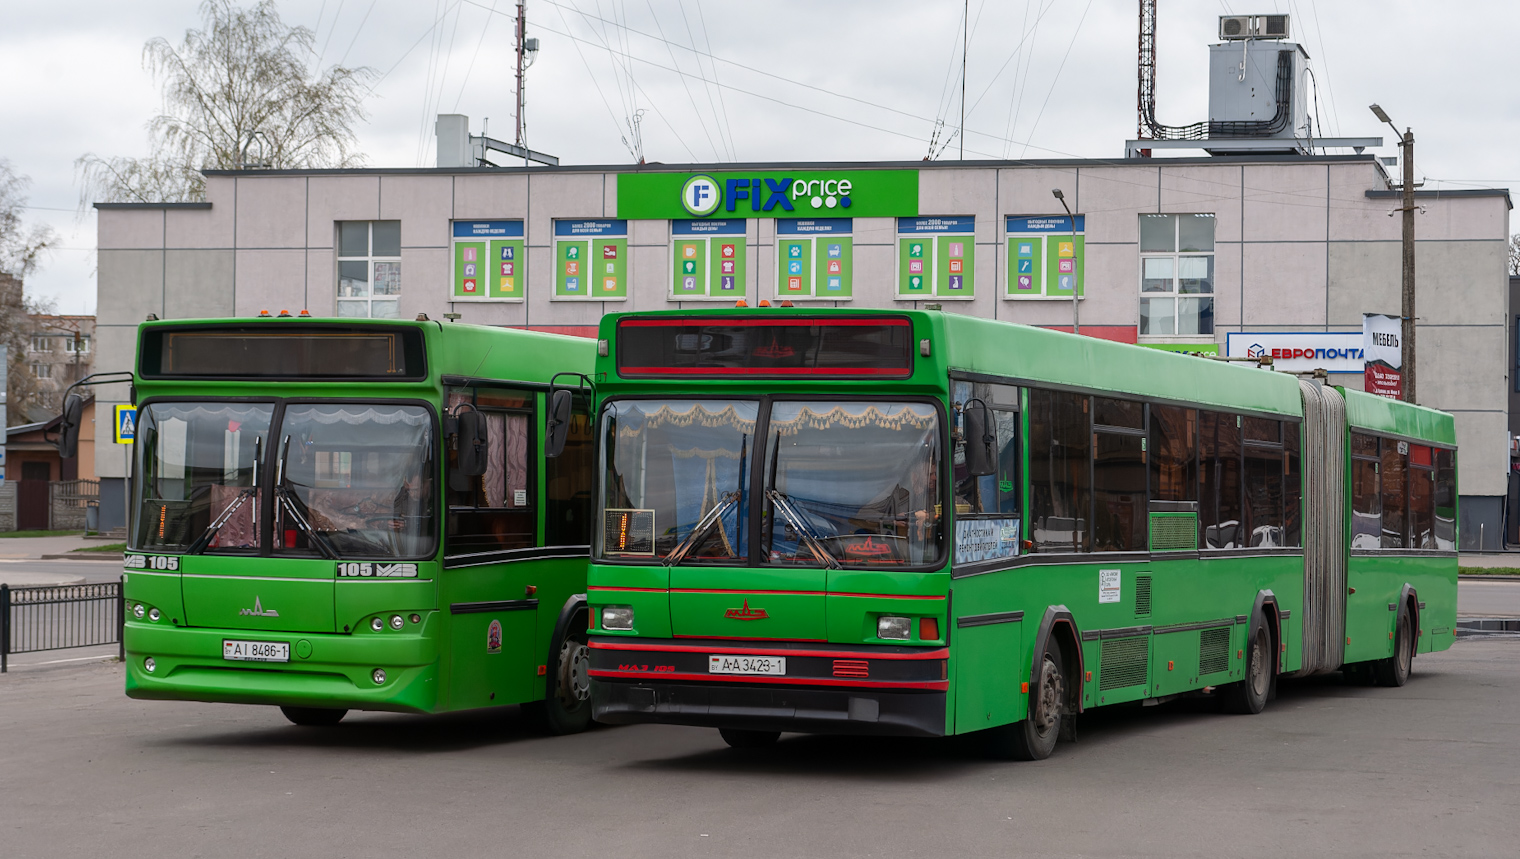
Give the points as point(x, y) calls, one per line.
point(1145, 103)
point(522, 27)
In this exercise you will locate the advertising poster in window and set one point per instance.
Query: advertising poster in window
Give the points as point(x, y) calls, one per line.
point(489, 261)
point(1384, 354)
point(707, 260)
point(591, 260)
point(1046, 257)
point(813, 258)
point(935, 258)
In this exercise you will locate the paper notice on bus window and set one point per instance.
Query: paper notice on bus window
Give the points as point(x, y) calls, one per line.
point(1108, 586)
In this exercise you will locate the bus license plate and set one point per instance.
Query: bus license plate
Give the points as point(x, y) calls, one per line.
point(775, 665)
point(256, 651)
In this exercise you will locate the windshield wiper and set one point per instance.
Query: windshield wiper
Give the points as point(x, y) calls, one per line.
point(682, 549)
point(287, 499)
point(798, 523)
point(203, 542)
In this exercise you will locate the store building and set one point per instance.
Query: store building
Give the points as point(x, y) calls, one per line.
point(1216, 254)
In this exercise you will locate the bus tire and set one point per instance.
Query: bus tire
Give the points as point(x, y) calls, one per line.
point(741, 739)
point(566, 708)
point(314, 717)
point(1249, 696)
point(1034, 737)
point(1394, 671)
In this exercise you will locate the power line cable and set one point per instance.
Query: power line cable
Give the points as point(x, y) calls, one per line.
point(471, 68)
point(707, 38)
point(333, 25)
point(1054, 80)
point(706, 89)
point(355, 39)
point(684, 85)
point(584, 62)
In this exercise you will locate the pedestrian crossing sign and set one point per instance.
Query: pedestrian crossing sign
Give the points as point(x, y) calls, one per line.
point(125, 425)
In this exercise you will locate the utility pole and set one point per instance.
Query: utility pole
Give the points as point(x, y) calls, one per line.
point(1076, 313)
point(1407, 305)
point(522, 29)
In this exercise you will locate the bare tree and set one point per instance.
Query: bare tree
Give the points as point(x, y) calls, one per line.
point(21, 249)
point(241, 92)
point(1514, 254)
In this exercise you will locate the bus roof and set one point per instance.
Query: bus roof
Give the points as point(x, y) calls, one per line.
point(1380, 414)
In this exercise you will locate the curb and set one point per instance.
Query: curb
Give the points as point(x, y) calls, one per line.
point(83, 556)
point(1481, 578)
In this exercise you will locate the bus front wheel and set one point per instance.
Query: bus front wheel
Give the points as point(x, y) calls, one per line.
point(566, 708)
point(314, 717)
point(1034, 738)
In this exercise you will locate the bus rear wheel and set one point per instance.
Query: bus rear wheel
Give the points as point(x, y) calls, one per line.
point(566, 708)
point(1249, 696)
point(1034, 738)
point(1394, 671)
point(314, 717)
point(742, 739)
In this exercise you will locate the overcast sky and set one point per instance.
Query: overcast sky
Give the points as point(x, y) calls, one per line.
point(796, 80)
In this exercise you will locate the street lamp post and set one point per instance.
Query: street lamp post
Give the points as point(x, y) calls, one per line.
point(1076, 314)
point(1407, 309)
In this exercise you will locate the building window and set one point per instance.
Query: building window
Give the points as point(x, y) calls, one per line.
point(369, 268)
point(84, 345)
point(42, 371)
point(1176, 275)
point(40, 343)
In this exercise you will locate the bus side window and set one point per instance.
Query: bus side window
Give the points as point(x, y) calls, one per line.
point(1395, 471)
point(1366, 493)
point(568, 480)
point(1446, 500)
point(1060, 471)
point(496, 512)
point(998, 493)
point(1219, 480)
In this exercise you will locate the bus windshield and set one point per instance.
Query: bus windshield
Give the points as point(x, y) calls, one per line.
point(858, 478)
point(195, 465)
point(355, 480)
point(670, 467)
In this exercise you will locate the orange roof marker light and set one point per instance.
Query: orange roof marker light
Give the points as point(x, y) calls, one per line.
point(305, 313)
point(786, 304)
point(284, 314)
point(764, 303)
point(741, 303)
point(263, 313)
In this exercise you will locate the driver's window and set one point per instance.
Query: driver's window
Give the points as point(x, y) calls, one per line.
point(494, 511)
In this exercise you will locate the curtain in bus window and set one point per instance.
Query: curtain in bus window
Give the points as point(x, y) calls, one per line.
point(495, 512)
point(1395, 496)
point(1219, 479)
point(1293, 485)
point(1059, 482)
point(1173, 454)
point(1366, 505)
point(1118, 493)
point(1445, 529)
point(1264, 496)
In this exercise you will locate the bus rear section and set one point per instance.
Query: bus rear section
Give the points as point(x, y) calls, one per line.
point(771, 547)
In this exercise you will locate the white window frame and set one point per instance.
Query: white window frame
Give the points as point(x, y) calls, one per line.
point(372, 262)
point(1174, 295)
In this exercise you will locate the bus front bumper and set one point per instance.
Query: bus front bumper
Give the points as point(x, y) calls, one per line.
point(826, 688)
point(337, 671)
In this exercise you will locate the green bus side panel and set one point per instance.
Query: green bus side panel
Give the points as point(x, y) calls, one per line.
point(1378, 581)
point(988, 658)
point(1380, 414)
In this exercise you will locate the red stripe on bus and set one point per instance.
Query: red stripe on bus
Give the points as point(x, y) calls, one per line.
point(941, 653)
point(900, 372)
point(748, 638)
point(798, 593)
point(616, 588)
point(938, 685)
point(783, 322)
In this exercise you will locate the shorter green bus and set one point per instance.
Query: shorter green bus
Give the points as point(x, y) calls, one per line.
point(924, 523)
point(334, 515)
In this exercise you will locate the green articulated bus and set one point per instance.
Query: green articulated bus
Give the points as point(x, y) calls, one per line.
point(921, 523)
point(336, 514)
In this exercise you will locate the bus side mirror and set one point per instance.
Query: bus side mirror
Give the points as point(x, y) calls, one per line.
point(68, 430)
point(557, 426)
point(470, 445)
point(980, 438)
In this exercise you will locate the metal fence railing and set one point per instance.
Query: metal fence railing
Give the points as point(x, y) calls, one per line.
point(59, 617)
point(69, 502)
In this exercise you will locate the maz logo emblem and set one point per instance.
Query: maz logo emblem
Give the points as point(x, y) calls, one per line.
point(746, 613)
point(258, 610)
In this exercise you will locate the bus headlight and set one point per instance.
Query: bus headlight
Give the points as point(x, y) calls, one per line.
point(138, 611)
point(153, 615)
point(377, 624)
point(617, 617)
point(149, 664)
point(897, 628)
point(378, 676)
point(396, 621)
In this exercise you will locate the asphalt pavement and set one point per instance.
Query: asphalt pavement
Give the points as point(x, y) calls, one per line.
point(1429, 769)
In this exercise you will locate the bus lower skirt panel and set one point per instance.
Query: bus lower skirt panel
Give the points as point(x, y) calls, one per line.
point(802, 710)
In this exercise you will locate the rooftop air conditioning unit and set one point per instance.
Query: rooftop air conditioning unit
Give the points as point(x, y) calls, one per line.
point(1233, 27)
point(1272, 27)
